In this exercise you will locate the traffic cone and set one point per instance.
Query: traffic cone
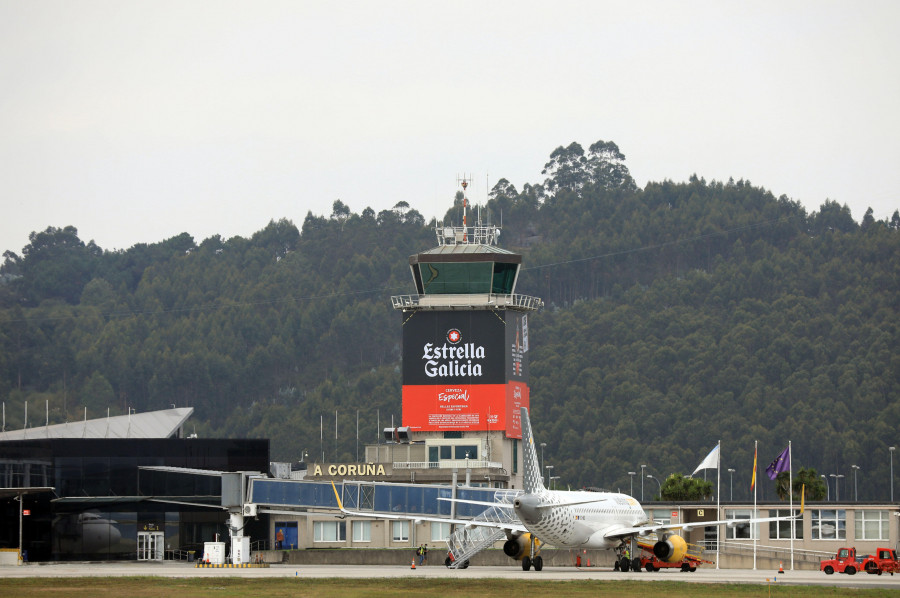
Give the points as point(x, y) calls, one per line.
point(412, 565)
point(780, 567)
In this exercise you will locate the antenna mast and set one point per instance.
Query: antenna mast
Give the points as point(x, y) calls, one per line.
point(478, 234)
point(464, 183)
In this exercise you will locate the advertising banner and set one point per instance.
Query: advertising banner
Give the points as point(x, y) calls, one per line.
point(465, 370)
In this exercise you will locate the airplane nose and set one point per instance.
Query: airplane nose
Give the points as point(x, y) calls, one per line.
point(526, 507)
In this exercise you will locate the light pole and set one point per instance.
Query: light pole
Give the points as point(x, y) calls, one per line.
point(658, 482)
point(837, 491)
point(548, 468)
point(891, 449)
point(827, 488)
point(543, 444)
point(731, 482)
point(855, 487)
point(642, 484)
point(632, 474)
point(552, 479)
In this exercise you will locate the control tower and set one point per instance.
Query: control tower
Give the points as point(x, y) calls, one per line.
point(465, 343)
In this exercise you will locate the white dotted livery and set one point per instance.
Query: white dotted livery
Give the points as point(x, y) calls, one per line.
point(565, 519)
point(571, 519)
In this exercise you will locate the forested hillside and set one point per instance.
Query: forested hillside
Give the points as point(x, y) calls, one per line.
point(676, 315)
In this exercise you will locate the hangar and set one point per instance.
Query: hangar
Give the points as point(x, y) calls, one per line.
point(79, 492)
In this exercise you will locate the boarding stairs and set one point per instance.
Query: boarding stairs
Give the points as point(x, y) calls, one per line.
point(469, 540)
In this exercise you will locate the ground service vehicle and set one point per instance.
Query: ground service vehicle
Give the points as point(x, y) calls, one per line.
point(844, 561)
point(847, 561)
point(883, 561)
point(649, 562)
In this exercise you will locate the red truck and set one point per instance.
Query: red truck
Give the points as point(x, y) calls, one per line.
point(883, 561)
point(847, 561)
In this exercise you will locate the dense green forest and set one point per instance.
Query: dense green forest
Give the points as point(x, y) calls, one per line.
point(676, 316)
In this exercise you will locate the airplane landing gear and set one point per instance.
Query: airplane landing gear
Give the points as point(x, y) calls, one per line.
point(534, 559)
point(623, 563)
point(536, 562)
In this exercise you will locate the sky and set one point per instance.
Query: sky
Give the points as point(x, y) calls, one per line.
point(135, 121)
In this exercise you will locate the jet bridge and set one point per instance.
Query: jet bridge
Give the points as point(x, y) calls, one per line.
point(415, 501)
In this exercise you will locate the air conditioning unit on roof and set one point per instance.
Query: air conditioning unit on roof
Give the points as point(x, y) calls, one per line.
point(250, 510)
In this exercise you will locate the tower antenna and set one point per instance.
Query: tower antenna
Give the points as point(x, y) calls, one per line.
point(464, 183)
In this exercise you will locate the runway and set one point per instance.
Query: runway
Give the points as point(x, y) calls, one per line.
point(701, 575)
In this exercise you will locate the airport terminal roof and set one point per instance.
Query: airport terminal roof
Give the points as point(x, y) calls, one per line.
point(166, 423)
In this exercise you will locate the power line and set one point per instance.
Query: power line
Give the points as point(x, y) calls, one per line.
point(662, 245)
point(300, 299)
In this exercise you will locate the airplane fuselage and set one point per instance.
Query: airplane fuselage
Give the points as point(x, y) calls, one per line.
point(579, 525)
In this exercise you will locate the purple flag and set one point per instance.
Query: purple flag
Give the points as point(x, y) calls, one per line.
point(781, 463)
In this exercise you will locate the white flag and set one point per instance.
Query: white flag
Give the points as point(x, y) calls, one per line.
point(711, 461)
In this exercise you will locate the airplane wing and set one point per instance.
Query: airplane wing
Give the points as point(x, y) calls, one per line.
point(543, 505)
point(507, 526)
point(624, 531)
point(485, 503)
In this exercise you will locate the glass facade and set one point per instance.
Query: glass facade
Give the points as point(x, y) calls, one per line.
point(329, 531)
point(781, 530)
point(504, 278)
point(362, 531)
point(872, 525)
point(452, 278)
point(828, 524)
point(465, 278)
point(400, 531)
point(102, 500)
point(738, 531)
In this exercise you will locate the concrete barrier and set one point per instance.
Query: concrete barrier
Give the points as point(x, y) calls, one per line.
point(10, 556)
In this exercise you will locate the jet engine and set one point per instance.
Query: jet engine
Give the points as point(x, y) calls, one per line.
point(520, 546)
point(670, 549)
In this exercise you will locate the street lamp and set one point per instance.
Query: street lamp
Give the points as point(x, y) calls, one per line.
point(543, 444)
point(658, 482)
point(837, 491)
point(855, 487)
point(642, 483)
point(548, 468)
point(632, 474)
point(891, 449)
point(827, 488)
point(731, 482)
point(552, 478)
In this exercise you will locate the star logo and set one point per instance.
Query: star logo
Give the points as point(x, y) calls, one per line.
point(454, 336)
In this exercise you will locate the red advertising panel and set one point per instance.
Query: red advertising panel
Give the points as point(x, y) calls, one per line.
point(516, 397)
point(448, 407)
point(465, 370)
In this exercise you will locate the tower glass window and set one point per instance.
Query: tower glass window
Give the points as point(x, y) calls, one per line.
point(456, 278)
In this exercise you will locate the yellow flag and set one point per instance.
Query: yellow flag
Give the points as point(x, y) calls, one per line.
point(753, 481)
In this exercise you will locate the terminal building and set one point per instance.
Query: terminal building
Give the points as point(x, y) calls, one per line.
point(115, 488)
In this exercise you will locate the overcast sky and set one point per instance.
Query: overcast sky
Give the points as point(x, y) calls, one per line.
point(136, 121)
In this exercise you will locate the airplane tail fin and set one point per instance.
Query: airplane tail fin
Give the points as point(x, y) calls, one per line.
point(534, 481)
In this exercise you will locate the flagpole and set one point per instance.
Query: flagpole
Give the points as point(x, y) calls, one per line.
point(754, 526)
point(718, 505)
point(791, 494)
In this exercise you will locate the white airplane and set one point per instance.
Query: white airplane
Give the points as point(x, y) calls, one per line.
point(575, 519)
